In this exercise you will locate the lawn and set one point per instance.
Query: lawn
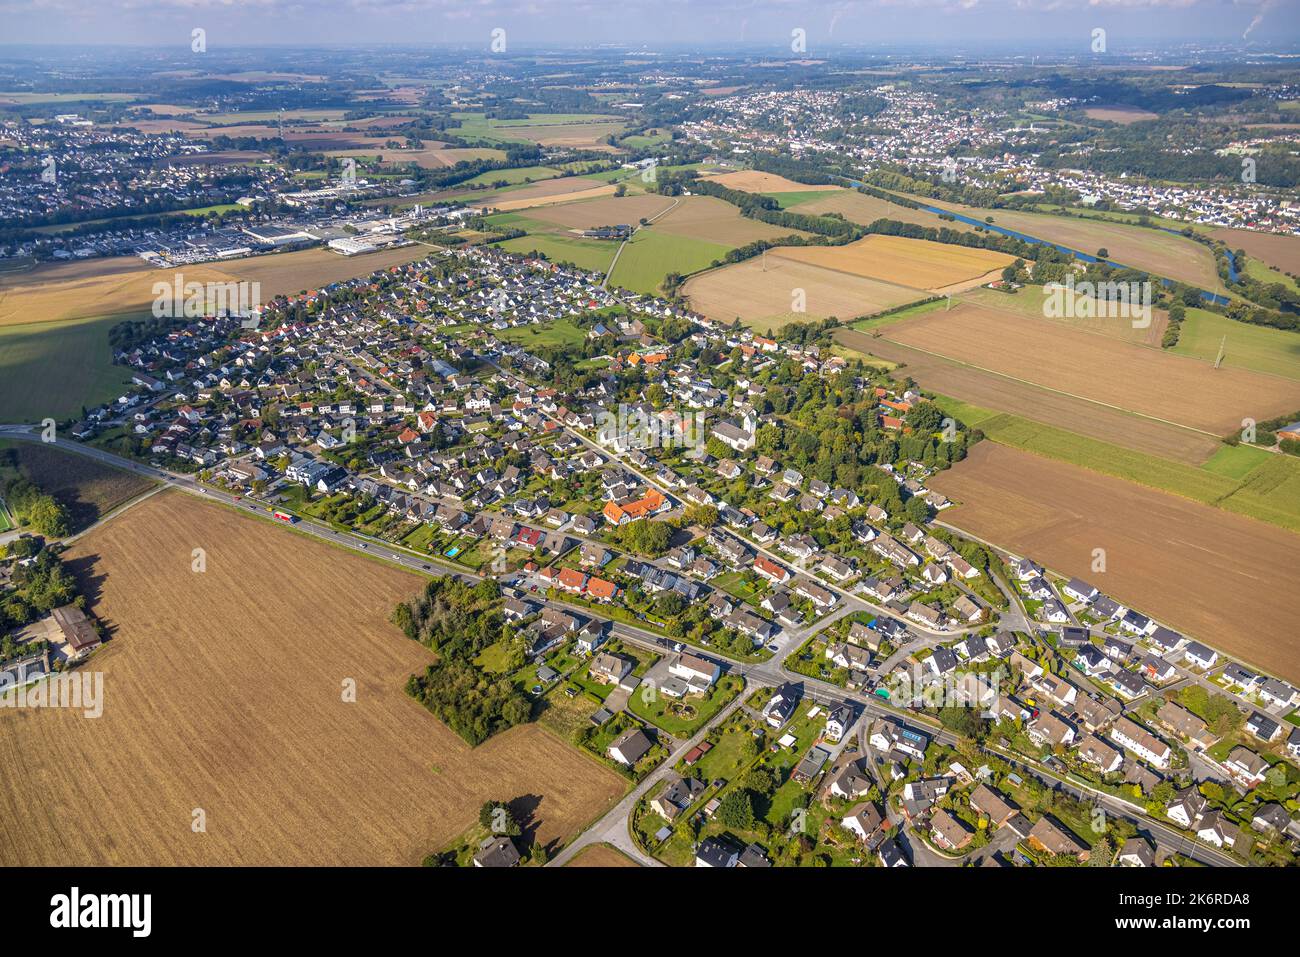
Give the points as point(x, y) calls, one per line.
point(561, 332)
point(666, 713)
point(735, 585)
point(55, 369)
point(733, 748)
point(649, 256)
point(495, 658)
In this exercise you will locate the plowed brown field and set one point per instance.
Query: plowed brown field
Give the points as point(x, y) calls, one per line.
point(223, 691)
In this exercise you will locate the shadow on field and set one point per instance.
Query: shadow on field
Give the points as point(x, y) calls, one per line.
point(524, 811)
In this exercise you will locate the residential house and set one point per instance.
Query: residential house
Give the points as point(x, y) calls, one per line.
point(716, 852)
point(1133, 737)
point(630, 747)
point(1246, 767)
point(1051, 837)
point(1186, 725)
point(496, 851)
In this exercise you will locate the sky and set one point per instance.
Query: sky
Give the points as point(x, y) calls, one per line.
point(1032, 26)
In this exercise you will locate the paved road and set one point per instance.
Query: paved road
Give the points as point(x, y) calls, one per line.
point(190, 485)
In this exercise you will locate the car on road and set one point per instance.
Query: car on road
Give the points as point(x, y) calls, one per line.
point(364, 545)
point(772, 647)
point(426, 567)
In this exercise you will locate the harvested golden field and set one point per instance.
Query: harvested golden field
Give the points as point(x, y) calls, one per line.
point(601, 855)
point(1219, 577)
point(427, 158)
point(88, 489)
point(1172, 388)
point(605, 211)
point(1280, 252)
point(527, 199)
point(1123, 115)
point(1039, 403)
point(125, 284)
point(583, 135)
point(764, 295)
point(863, 209)
point(160, 124)
point(1154, 250)
point(717, 221)
point(917, 263)
point(288, 273)
point(223, 691)
point(753, 181)
point(1029, 302)
point(91, 288)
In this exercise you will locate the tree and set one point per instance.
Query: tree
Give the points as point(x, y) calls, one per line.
point(737, 810)
point(669, 604)
point(917, 509)
point(759, 780)
point(497, 817)
point(704, 515)
point(1103, 253)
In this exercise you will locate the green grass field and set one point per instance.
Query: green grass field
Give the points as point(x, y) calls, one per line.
point(1236, 461)
point(1248, 346)
point(1249, 481)
point(1256, 269)
point(478, 126)
point(786, 200)
point(29, 98)
point(53, 369)
point(1270, 492)
point(513, 177)
point(593, 254)
point(562, 333)
point(640, 141)
point(649, 257)
point(879, 322)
